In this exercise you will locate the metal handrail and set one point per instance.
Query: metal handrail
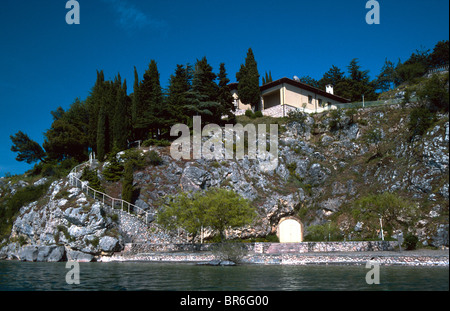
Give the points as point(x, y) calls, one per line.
point(74, 181)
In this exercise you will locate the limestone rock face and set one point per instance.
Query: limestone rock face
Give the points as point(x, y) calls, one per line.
point(319, 173)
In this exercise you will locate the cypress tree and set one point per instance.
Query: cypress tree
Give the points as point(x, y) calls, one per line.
point(224, 95)
point(150, 102)
point(121, 124)
point(248, 79)
point(127, 183)
point(93, 103)
point(179, 86)
point(101, 134)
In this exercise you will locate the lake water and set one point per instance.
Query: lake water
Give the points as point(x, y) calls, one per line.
point(23, 276)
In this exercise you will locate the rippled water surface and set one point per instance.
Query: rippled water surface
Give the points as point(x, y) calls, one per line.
point(184, 277)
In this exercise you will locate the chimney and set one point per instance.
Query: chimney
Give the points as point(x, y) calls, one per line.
point(329, 89)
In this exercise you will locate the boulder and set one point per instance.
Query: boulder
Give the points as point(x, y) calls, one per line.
point(78, 256)
point(28, 253)
point(109, 244)
point(441, 236)
point(51, 253)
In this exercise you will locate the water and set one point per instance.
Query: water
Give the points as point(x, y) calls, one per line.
point(21, 276)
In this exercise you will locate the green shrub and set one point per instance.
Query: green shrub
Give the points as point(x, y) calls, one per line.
point(420, 120)
point(156, 142)
point(154, 158)
point(336, 116)
point(234, 252)
point(127, 183)
point(135, 157)
point(258, 114)
point(435, 93)
point(324, 232)
point(411, 242)
point(114, 171)
point(9, 207)
point(249, 113)
point(91, 176)
point(390, 207)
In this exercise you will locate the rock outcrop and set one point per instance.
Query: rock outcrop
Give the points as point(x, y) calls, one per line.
point(320, 171)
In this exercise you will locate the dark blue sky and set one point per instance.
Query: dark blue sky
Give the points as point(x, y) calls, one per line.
point(45, 63)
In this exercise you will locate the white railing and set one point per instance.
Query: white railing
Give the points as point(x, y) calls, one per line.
point(103, 197)
point(438, 69)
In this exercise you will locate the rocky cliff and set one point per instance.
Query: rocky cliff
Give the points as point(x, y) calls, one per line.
point(325, 164)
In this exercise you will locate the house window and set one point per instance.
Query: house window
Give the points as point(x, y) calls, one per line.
point(309, 99)
point(320, 102)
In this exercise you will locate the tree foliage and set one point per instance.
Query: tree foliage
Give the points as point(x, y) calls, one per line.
point(28, 150)
point(218, 209)
point(397, 213)
point(248, 79)
point(127, 183)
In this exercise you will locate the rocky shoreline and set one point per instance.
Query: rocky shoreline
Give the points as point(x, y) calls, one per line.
point(421, 258)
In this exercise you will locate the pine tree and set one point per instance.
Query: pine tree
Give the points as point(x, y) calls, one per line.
point(148, 107)
point(179, 86)
point(386, 78)
point(127, 183)
point(28, 150)
point(102, 134)
point(224, 95)
point(202, 98)
point(248, 79)
point(93, 103)
point(121, 124)
point(333, 76)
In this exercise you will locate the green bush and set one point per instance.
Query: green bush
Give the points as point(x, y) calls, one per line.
point(258, 114)
point(91, 176)
point(396, 212)
point(154, 158)
point(435, 93)
point(53, 168)
point(249, 113)
point(156, 142)
point(135, 157)
point(127, 183)
point(336, 116)
point(9, 207)
point(114, 171)
point(324, 232)
point(234, 252)
point(411, 242)
point(420, 120)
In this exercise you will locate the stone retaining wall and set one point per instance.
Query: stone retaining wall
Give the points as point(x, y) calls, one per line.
point(267, 248)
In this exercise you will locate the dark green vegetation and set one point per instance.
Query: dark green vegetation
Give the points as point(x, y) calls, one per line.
point(11, 204)
point(110, 118)
point(358, 83)
point(218, 209)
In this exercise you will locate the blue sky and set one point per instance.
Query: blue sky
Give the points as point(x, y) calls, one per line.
point(46, 63)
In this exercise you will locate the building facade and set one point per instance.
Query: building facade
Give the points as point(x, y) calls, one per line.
point(284, 95)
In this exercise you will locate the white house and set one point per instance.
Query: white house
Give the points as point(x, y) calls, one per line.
point(283, 95)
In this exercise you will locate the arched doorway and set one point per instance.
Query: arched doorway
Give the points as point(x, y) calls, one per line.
point(290, 230)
